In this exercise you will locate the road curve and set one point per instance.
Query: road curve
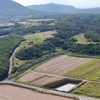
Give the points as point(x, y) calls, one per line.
point(43, 90)
point(11, 61)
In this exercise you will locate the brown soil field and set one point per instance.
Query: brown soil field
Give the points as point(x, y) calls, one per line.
point(45, 80)
point(8, 92)
point(30, 76)
point(60, 65)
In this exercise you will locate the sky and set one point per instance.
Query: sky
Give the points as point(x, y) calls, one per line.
point(75, 3)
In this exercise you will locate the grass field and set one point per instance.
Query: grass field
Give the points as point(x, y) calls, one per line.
point(29, 23)
point(8, 92)
point(17, 62)
point(89, 89)
point(89, 70)
point(38, 38)
point(39, 20)
point(81, 39)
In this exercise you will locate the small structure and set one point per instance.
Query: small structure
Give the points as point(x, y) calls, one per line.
point(30, 42)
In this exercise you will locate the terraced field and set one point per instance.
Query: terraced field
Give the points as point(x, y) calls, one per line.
point(37, 78)
point(51, 70)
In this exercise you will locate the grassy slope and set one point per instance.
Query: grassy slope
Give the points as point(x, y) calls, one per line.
point(89, 70)
point(7, 45)
point(38, 38)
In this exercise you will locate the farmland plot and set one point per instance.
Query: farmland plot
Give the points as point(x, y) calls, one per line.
point(60, 65)
point(37, 78)
point(30, 76)
point(45, 80)
point(8, 92)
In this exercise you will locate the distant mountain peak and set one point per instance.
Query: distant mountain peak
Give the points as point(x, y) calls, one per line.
point(12, 8)
point(52, 7)
point(64, 9)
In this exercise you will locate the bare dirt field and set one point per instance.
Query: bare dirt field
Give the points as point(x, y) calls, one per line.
point(8, 92)
point(60, 65)
point(45, 80)
point(37, 78)
point(30, 76)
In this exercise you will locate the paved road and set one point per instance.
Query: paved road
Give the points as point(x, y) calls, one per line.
point(46, 90)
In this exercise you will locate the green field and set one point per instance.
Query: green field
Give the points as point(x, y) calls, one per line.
point(38, 38)
point(88, 71)
point(81, 39)
point(89, 89)
point(17, 62)
point(39, 20)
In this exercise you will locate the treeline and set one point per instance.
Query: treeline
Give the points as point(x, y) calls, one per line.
point(7, 46)
point(92, 36)
point(35, 51)
point(90, 49)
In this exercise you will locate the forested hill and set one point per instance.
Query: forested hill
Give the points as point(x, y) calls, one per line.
point(65, 9)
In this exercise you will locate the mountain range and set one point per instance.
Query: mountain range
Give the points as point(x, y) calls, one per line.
point(65, 9)
point(9, 9)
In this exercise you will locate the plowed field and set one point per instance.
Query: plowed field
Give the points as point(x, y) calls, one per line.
point(15, 93)
point(60, 65)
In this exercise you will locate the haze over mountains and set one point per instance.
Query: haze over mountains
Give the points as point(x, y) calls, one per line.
point(9, 9)
point(59, 8)
point(13, 9)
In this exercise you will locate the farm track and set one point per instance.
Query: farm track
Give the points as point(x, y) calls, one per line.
point(11, 60)
point(8, 82)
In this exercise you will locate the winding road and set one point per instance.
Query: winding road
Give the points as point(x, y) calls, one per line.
point(43, 90)
point(11, 61)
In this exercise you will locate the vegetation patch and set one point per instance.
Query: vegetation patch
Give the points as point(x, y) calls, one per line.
point(38, 38)
point(7, 46)
point(89, 70)
point(17, 62)
point(81, 39)
point(89, 89)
